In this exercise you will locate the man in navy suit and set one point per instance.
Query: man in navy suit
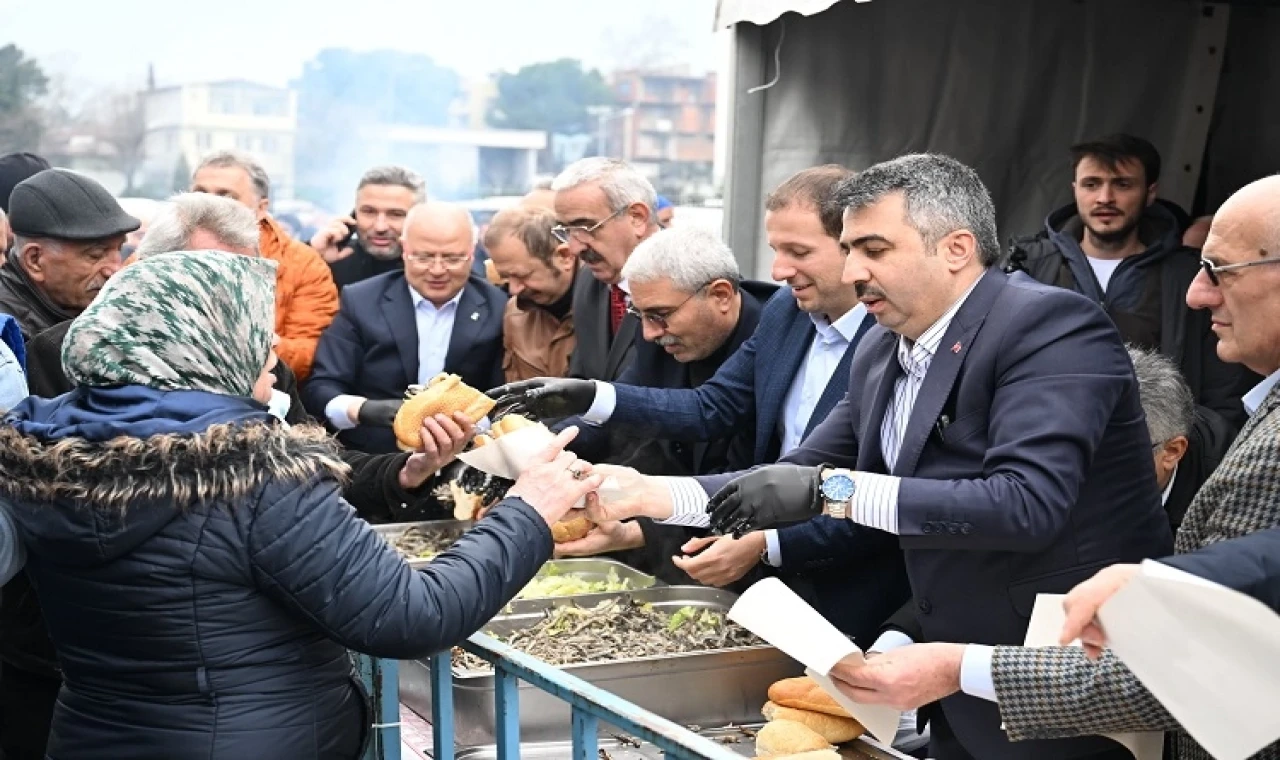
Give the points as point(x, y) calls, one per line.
point(405, 327)
point(993, 426)
point(778, 386)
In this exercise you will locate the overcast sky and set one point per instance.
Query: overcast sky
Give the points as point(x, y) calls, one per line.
point(91, 42)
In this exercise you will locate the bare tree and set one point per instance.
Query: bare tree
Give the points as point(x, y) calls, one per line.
point(119, 121)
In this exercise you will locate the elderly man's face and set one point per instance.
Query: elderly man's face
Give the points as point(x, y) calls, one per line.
point(71, 272)
point(1245, 305)
point(689, 326)
point(437, 258)
point(615, 232)
point(230, 182)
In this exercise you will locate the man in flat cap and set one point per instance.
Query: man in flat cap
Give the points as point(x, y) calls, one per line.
point(67, 232)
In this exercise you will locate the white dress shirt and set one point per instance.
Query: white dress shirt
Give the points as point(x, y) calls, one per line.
point(975, 669)
point(434, 325)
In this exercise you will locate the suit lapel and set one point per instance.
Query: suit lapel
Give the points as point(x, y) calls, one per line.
point(944, 368)
point(467, 322)
point(877, 391)
point(621, 344)
point(777, 368)
point(397, 309)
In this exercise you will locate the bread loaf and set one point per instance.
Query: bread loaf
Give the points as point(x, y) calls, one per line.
point(816, 754)
point(445, 394)
point(571, 529)
point(834, 729)
point(786, 737)
point(804, 693)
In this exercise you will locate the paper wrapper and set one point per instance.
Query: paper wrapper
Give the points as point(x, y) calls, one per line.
point(510, 455)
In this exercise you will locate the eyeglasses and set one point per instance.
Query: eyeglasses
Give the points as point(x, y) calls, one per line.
point(448, 260)
point(1212, 270)
point(660, 320)
point(580, 232)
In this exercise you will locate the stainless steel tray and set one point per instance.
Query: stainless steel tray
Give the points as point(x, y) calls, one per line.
point(621, 747)
point(588, 569)
point(391, 531)
point(714, 688)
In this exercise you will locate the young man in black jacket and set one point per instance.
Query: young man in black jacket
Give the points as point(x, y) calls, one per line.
point(1122, 247)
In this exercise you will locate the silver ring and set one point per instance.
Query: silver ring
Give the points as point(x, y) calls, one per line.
point(577, 474)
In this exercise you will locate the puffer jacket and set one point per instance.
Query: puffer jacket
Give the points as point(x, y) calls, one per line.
point(202, 579)
point(306, 298)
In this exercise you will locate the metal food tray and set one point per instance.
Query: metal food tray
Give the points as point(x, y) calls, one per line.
point(588, 569)
point(617, 746)
point(391, 531)
point(712, 688)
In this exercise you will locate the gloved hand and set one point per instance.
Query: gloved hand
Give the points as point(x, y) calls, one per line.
point(545, 397)
point(380, 412)
point(765, 497)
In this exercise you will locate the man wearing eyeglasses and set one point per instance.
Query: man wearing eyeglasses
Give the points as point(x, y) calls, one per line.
point(1056, 692)
point(695, 311)
point(405, 327)
point(604, 209)
point(1121, 246)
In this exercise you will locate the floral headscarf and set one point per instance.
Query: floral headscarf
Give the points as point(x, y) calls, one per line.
point(191, 320)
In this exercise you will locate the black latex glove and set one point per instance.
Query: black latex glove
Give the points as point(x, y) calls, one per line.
point(544, 398)
point(379, 413)
point(765, 497)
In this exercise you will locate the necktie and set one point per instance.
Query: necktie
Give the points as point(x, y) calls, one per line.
point(617, 308)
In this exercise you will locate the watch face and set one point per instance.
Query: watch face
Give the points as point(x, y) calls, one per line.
point(838, 488)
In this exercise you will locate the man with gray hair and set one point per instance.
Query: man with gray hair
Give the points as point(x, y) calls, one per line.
point(604, 209)
point(991, 424)
point(306, 298)
point(1185, 454)
point(367, 242)
point(695, 310)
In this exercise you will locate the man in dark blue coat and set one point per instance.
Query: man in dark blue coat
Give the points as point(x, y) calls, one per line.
point(993, 425)
point(403, 328)
point(778, 386)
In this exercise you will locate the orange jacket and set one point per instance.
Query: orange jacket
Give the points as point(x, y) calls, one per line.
point(306, 298)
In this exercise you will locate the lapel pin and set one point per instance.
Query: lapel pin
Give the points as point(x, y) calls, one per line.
point(475, 315)
point(956, 348)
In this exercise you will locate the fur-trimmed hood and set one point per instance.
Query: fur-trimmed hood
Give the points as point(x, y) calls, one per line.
point(90, 500)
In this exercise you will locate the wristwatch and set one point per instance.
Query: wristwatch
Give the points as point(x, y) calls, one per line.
point(837, 492)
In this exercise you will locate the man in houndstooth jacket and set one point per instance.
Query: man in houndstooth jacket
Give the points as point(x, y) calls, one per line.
point(1056, 692)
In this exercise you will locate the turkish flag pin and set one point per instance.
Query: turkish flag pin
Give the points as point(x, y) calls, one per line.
point(956, 348)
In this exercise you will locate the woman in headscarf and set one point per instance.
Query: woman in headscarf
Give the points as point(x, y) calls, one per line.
point(199, 574)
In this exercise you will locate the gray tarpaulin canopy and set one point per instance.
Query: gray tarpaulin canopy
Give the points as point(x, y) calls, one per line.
point(1003, 85)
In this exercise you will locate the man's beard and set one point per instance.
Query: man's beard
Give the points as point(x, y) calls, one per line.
point(394, 252)
point(1118, 235)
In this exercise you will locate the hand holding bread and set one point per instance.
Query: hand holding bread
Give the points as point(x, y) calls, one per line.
point(556, 480)
point(445, 394)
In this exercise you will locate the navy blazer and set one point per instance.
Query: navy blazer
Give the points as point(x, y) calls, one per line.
point(371, 349)
point(749, 393)
point(1025, 466)
point(1249, 564)
point(745, 393)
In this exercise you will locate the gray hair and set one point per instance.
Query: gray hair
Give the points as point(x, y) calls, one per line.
point(691, 257)
point(238, 160)
point(942, 195)
point(621, 183)
point(397, 176)
point(1166, 398)
point(233, 224)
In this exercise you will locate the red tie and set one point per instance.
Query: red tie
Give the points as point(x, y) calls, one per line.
point(617, 308)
